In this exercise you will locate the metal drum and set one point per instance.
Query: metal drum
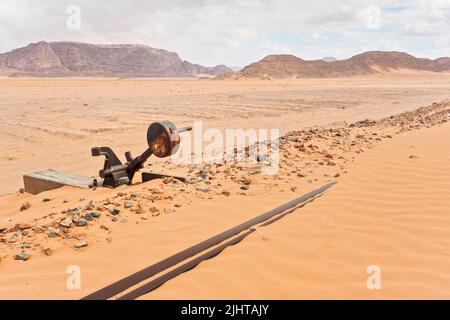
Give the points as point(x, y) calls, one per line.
point(163, 138)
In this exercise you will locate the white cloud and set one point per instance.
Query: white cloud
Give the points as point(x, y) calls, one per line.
point(236, 32)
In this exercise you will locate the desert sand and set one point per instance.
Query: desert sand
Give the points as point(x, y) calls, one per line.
point(53, 123)
point(389, 208)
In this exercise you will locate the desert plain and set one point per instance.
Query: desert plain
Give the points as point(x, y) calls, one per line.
point(390, 207)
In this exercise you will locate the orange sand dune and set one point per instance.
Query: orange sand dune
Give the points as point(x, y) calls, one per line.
point(391, 210)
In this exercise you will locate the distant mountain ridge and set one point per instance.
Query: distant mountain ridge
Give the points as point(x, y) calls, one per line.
point(84, 59)
point(371, 62)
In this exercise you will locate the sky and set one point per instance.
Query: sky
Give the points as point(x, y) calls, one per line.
point(235, 32)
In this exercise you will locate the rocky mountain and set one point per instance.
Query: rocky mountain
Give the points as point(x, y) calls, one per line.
point(372, 62)
point(83, 59)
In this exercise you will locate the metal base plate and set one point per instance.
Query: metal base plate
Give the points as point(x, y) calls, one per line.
point(148, 176)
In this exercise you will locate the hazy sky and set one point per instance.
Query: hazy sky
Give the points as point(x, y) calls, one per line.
point(235, 32)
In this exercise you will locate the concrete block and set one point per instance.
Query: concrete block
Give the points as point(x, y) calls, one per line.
point(50, 179)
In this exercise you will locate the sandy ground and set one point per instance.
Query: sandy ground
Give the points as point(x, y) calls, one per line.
point(391, 211)
point(388, 209)
point(53, 123)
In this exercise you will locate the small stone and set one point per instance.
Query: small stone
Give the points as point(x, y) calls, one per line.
point(226, 193)
point(81, 223)
point(246, 180)
point(115, 211)
point(177, 205)
point(292, 138)
point(88, 217)
point(293, 189)
point(204, 174)
point(144, 217)
point(245, 187)
point(23, 256)
point(263, 158)
point(123, 220)
point(21, 190)
point(127, 205)
point(65, 201)
point(66, 222)
point(114, 219)
point(52, 234)
point(45, 199)
point(46, 250)
point(82, 244)
point(25, 206)
point(95, 214)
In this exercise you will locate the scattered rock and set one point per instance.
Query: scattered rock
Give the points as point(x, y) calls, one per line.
point(123, 220)
point(23, 256)
point(226, 193)
point(292, 138)
point(95, 214)
point(127, 205)
point(114, 219)
point(155, 212)
point(293, 189)
point(46, 250)
point(262, 158)
point(45, 199)
point(81, 223)
point(245, 187)
point(67, 223)
point(114, 211)
point(246, 180)
point(25, 206)
point(82, 244)
point(52, 234)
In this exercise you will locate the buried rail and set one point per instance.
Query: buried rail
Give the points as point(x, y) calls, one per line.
point(132, 280)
